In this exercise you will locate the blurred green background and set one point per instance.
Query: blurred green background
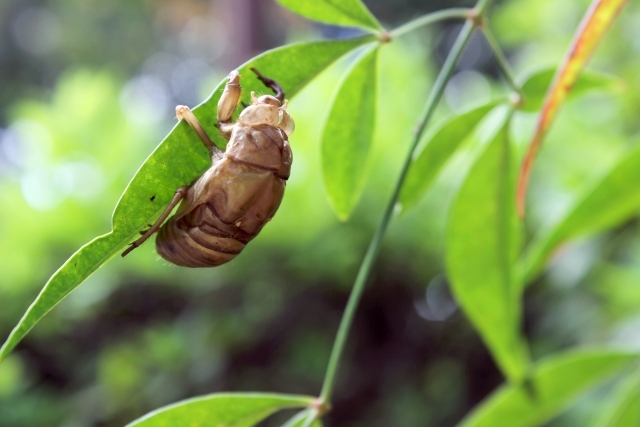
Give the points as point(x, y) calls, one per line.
point(88, 88)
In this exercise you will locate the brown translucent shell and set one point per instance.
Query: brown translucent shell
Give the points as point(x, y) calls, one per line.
point(230, 203)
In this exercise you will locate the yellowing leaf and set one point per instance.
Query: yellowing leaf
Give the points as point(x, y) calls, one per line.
point(536, 84)
point(592, 29)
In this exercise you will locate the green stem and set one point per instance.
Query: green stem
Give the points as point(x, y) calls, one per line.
point(502, 61)
point(441, 15)
point(481, 7)
point(310, 418)
point(365, 268)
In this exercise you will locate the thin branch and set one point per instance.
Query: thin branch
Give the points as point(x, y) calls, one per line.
point(367, 263)
point(501, 59)
point(441, 15)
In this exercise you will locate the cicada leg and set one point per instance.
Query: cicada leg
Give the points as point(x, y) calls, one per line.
point(184, 113)
point(178, 196)
point(228, 103)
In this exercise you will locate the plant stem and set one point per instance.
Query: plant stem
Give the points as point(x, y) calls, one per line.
point(481, 7)
point(309, 419)
point(365, 268)
point(502, 61)
point(430, 18)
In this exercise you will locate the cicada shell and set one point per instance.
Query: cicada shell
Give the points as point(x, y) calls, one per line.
point(228, 205)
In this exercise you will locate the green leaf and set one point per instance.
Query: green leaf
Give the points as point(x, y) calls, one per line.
point(535, 85)
point(483, 236)
point(304, 418)
point(436, 149)
point(551, 386)
point(609, 201)
point(221, 410)
point(179, 159)
point(624, 410)
point(350, 13)
point(348, 133)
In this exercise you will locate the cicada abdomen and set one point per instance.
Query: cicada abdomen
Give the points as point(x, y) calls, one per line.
point(230, 203)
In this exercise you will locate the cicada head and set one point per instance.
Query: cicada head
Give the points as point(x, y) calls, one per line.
point(267, 110)
point(262, 111)
point(285, 122)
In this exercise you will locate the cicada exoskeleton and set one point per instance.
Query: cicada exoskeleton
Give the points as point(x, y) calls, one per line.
point(226, 207)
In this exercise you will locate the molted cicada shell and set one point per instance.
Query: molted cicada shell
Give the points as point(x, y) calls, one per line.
point(230, 203)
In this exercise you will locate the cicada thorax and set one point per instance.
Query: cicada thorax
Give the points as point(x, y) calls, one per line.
point(231, 202)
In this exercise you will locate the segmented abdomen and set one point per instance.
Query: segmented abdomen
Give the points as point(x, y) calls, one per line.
point(194, 247)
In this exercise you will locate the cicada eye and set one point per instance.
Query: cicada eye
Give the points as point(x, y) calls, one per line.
point(285, 122)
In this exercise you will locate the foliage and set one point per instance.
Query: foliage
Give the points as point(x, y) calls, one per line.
point(239, 410)
point(551, 384)
point(346, 145)
point(486, 259)
point(437, 149)
point(483, 240)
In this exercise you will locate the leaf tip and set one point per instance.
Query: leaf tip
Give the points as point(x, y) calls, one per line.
point(342, 215)
point(5, 350)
